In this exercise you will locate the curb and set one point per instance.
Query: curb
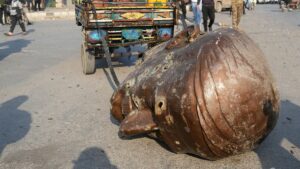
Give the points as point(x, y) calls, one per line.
point(39, 16)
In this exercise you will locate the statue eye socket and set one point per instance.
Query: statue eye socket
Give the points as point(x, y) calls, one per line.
point(160, 104)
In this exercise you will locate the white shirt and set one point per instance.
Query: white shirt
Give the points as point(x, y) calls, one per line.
point(16, 3)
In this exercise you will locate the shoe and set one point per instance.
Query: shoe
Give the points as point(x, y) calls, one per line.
point(24, 33)
point(8, 34)
point(29, 23)
point(191, 40)
point(210, 29)
point(195, 32)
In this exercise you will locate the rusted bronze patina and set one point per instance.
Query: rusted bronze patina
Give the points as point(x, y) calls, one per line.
point(214, 97)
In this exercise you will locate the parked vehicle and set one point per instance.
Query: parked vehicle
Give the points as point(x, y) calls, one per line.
point(110, 25)
point(226, 4)
point(294, 4)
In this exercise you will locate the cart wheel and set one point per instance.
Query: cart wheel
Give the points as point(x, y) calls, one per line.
point(88, 61)
point(218, 7)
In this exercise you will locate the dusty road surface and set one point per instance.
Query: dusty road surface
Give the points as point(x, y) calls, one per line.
point(54, 117)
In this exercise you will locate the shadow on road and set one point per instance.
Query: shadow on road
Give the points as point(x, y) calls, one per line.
point(28, 32)
point(113, 120)
point(14, 123)
point(279, 149)
point(13, 46)
point(117, 62)
point(93, 158)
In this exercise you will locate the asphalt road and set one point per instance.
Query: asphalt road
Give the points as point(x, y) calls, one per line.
point(54, 117)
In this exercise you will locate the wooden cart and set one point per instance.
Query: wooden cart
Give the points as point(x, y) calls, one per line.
point(107, 26)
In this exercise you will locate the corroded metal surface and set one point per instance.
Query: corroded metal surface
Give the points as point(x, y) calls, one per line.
point(213, 98)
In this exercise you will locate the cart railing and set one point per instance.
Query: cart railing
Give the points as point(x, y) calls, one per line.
point(119, 4)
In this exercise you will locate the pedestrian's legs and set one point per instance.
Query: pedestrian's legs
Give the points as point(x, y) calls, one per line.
point(14, 20)
point(239, 13)
point(211, 15)
point(244, 6)
point(183, 9)
point(197, 20)
point(29, 5)
point(39, 5)
point(21, 23)
point(205, 17)
point(234, 15)
point(26, 20)
point(197, 14)
point(1, 15)
point(31, 2)
point(4, 15)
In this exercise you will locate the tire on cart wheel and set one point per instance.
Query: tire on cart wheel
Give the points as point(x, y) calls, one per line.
point(87, 60)
point(218, 6)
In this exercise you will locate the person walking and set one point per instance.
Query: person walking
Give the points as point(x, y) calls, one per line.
point(16, 16)
point(196, 7)
point(237, 12)
point(208, 11)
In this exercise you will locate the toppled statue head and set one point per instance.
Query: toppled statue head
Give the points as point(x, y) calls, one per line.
point(213, 98)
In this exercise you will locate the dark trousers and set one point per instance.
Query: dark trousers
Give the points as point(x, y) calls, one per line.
point(37, 4)
point(29, 5)
point(208, 12)
point(183, 8)
point(2, 10)
point(244, 6)
point(14, 20)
